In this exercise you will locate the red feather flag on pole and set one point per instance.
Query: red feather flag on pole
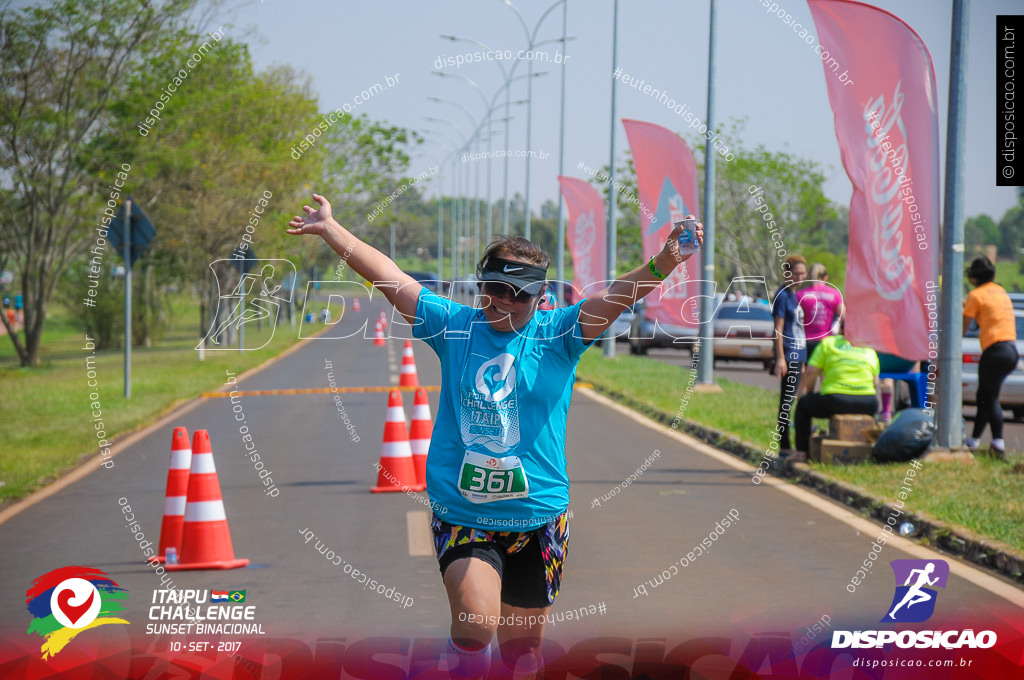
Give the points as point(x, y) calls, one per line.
point(887, 125)
point(585, 232)
point(666, 178)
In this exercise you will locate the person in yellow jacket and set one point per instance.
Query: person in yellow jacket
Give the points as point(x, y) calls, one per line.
point(849, 379)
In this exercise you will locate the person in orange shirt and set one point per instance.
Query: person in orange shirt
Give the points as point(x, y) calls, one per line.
point(990, 306)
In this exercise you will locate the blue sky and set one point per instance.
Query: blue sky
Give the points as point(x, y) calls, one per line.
point(766, 74)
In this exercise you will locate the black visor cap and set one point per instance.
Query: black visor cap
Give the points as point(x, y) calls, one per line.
point(519, 275)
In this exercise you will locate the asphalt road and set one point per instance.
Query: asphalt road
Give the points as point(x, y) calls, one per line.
point(780, 567)
point(752, 373)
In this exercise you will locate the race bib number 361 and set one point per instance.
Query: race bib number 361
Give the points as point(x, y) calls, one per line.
point(485, 479)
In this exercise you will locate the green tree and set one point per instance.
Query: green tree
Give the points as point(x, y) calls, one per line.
point(1010, 228)
point(216, 170)
point(61, 64)
point(980, 231)
point(628, 240)
point(792, 191)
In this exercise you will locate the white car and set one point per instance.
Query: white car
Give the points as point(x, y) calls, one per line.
point(1011, 396)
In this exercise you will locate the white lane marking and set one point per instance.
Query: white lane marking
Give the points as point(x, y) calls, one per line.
point(842, 514)
point(392, 363)
point(417, 526)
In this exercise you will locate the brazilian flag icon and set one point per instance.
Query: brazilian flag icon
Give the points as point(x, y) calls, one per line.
point(237, 596)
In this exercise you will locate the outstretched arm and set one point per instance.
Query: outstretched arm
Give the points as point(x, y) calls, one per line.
point(598, 312)
point(399, 288)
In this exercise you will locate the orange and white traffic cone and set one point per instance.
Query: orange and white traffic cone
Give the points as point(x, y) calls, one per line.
point(383, 319)
point(176, 494)
point(355, 304)
point(395, 471)
point(420, 431)
point(378, 336)
point(205, 538)
point(408, 377)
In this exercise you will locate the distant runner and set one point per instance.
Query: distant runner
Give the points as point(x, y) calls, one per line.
point(497, 456)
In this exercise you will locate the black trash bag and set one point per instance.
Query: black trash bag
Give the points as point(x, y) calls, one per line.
point(908, 436)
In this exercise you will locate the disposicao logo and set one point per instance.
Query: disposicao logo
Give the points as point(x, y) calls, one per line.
point(916, 576)
point(913, 602)
point(69, 600)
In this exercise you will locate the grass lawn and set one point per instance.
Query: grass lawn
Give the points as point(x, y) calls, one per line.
point(48, 424)
point(665, 387)
point(986, 497)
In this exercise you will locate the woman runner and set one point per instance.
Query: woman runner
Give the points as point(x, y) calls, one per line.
point(497, 456)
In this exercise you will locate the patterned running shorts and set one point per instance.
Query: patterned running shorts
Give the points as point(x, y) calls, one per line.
point(529, 563)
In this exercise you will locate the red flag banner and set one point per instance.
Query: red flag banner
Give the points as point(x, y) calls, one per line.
point(585, 232)
point(666, 177)
point(888, 130)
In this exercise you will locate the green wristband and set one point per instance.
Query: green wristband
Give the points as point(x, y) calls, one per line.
point(654, 270)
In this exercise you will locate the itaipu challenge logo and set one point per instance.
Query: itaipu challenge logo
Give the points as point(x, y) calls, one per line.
point(69, 600)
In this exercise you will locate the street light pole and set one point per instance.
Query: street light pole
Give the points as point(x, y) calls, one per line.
point(440, 211)
point(531, 41)
point(609, 342)
point(949, 418)
point(560, 270)
point(706, 360)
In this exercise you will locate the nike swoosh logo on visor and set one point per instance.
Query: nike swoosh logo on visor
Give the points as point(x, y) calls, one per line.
point(512, 269)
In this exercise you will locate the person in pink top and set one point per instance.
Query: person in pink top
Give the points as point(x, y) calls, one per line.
point(823, 308)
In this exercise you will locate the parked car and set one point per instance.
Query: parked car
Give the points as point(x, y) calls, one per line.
point(744, 332)
point(429, 281)
point(1011, 396)
point(644, 333)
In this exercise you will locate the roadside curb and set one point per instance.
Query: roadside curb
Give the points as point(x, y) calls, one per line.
point(129, 437)
point(956, 540)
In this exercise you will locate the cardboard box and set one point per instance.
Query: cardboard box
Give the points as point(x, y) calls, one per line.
point(850, 428)
point(874, 433)
point(839, 452)
point(814, 454)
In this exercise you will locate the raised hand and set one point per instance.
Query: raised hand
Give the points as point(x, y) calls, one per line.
point(315, 221)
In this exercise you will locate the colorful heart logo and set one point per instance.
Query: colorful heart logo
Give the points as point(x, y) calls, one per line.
point(73, 612)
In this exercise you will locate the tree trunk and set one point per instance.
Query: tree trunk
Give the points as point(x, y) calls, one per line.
point(202, 318)
point(148, 314)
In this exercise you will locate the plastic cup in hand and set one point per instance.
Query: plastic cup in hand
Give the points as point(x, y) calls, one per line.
point(688, 237)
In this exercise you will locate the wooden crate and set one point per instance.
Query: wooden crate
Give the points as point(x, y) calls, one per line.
point(839, 452)
point(850, 428)
point(814, 454)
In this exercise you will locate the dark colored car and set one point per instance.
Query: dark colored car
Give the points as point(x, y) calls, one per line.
point(429, 281)
point(644, 333)
point(742, 331)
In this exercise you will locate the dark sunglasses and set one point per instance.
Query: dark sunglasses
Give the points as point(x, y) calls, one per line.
point(500, 290)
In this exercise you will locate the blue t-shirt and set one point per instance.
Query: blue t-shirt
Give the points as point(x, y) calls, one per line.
point(497, 455)
point(787, 307)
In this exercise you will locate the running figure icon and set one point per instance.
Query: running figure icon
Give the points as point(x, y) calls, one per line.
point(916, 594)
point(256, 297)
